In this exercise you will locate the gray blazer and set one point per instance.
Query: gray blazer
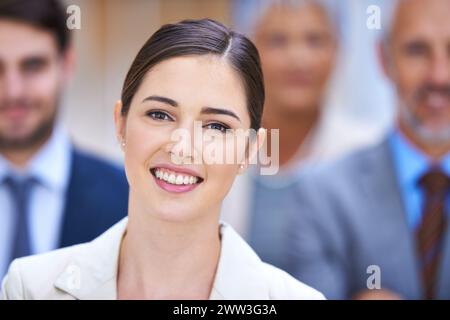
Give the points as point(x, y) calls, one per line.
point(350, 217)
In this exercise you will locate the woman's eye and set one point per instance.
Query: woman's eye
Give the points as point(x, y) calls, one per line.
point(217, 126)
point(159, 115)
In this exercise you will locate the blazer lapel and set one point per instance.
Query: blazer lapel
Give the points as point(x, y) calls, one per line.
point(92, 274)
point(239, 271)
point(388, 217)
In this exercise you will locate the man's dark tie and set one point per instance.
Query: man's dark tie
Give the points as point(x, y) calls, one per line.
point(20, 191)
point(431, 231)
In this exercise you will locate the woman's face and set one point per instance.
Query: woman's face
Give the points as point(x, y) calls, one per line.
point(168, 176)
point(298, 49)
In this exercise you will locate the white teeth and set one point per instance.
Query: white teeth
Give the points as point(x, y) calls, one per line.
point(174, 178)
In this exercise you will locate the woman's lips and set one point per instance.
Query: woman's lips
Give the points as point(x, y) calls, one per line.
point(175, 181)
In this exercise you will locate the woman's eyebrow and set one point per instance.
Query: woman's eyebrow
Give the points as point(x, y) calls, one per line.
point(211, 110)
point(205, 110)
point(166, 100)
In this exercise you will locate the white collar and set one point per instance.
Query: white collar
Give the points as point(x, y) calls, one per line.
point(50, 165)
point(97, 263)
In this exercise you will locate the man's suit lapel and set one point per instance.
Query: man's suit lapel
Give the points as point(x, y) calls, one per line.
point(385, 203)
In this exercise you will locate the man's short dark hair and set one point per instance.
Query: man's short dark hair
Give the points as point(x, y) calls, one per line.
point(45, 14)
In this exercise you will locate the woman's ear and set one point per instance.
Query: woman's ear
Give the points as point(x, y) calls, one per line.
point(120, 122)
point(253, 148)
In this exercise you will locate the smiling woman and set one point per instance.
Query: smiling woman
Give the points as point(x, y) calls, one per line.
point(172, 245)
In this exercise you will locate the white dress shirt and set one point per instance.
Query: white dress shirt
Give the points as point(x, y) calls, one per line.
point(51, 166)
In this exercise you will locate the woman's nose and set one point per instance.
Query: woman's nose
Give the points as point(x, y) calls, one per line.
point(185, 144)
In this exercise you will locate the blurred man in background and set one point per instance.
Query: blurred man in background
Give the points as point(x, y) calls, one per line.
point(375, 224)
point(51, 194)
point(298, 45)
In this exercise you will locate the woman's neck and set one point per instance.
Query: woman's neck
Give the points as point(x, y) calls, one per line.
point(168, 260)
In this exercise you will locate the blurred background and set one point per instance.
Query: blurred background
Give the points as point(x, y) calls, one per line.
point(112, 31)
point(325, 92)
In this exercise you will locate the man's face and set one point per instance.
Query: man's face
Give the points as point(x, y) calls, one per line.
point(418, 61)
point(32, 74)
point(298, 50)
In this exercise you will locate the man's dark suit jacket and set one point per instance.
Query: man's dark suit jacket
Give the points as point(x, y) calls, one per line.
point(97, 197)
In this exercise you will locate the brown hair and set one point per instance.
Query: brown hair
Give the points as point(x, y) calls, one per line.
point(200, 37)
point(45, 14)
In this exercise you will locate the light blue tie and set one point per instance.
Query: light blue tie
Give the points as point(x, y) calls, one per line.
point(20, 190)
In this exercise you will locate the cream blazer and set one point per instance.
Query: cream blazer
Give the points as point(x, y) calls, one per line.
point(89, 271)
